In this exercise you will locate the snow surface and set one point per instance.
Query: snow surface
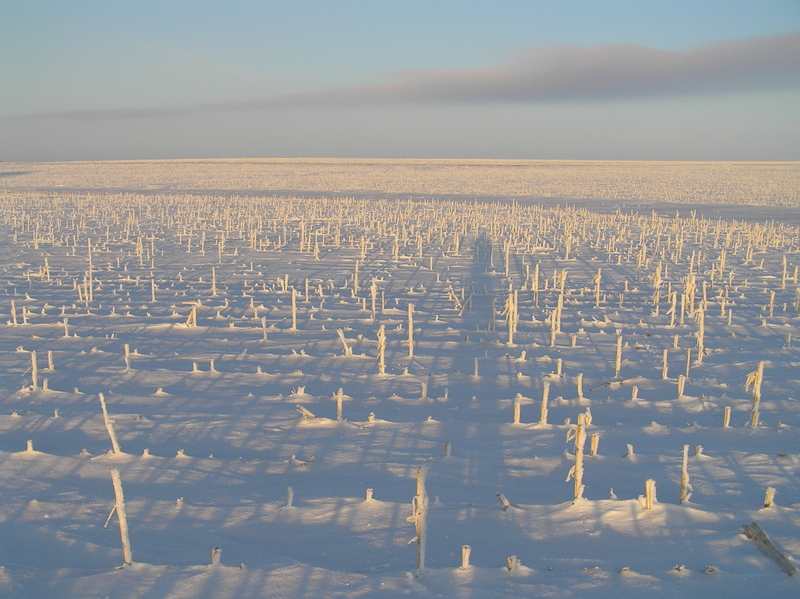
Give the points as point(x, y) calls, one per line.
point(207, 453)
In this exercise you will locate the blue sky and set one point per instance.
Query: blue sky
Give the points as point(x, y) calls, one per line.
point(693, 80)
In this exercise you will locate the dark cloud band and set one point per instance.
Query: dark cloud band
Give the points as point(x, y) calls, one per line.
point(554, 74)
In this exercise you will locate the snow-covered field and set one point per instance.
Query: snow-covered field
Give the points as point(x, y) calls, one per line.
point(220, 315)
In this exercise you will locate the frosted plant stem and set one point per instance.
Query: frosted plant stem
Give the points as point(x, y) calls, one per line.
point(685, 475)
point(410, 330)
point(382, 349)
point(650, 493)
point(34, 370)
point(119, 506)
point(109, 425)
point(545, 398)
point(466, 550)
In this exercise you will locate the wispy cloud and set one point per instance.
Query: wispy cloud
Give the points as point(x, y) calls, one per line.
point(552, 74)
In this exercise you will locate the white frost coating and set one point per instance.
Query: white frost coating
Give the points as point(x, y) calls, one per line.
point(756, 534)
point(245, 414)
point(382, 349)
point(109, 425)
point(755, 379)
point(686, 488)
point(466, 550)
point(419, 515)
point(411, 331)
point(545, 399)
point(576, 472)
point(119, 506)
point(649, 493)
point(34, 371)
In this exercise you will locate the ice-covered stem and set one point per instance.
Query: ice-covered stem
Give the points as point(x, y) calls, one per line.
point(683, 309)
point(555, 320)
point(576, 472)
point(382, 349)
point(466, 550)
point(649, 493)
point(127, 350)
point(305, 413)
point(685, 487)
point(681, 384)
point(594, 441)
point(664, 364)
point(784, 272)
point(755, 533)
point(512, 314)
point(109, 425)
point(66, 327)
point(688, 362)
point(348, 351)
point(339, 397)
point(294, 309)
point(618, 358)
point(264, 328)
point(517, 401)
point(755, 379)
point(122, 517)
point(14, 313)
point(410, 330)
point(216, 556)
point(419, 513)
point(89, 281)
point(34, 370)
point(579, 383)
point(673, 308)
point(503, 501)
point(373, 292)
point(596, 281)
point(769, 497)
point(726, 417)
point(289, 496)
point(701, 331)
point(191, 321)
point(545, 398)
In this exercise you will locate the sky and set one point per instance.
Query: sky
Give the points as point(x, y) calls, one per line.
point(570, 79)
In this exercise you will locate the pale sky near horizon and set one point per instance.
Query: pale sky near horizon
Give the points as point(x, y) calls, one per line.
point(616, 79)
